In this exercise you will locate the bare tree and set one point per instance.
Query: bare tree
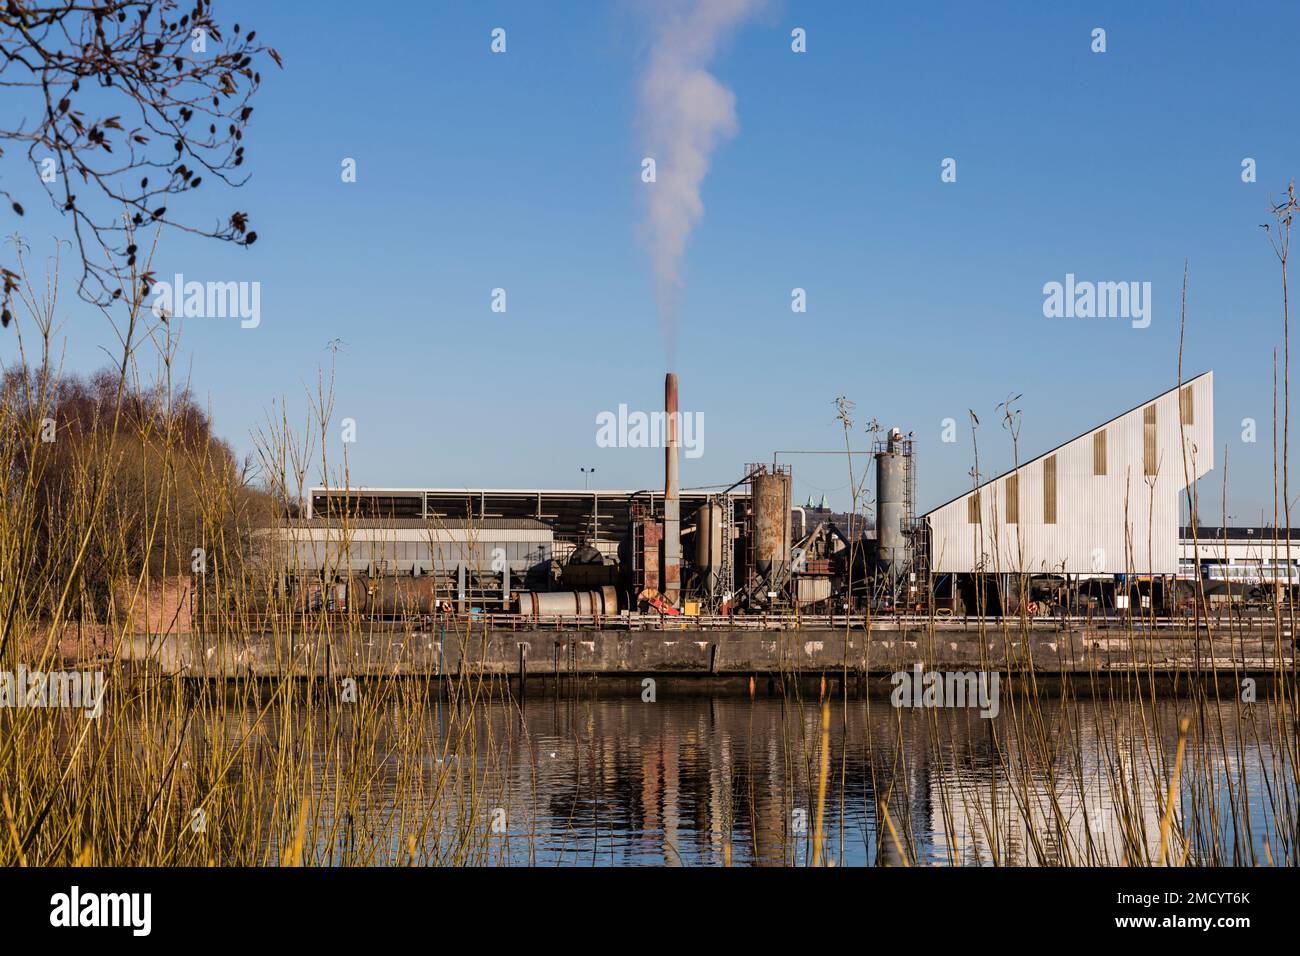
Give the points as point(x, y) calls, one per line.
point(123, 106)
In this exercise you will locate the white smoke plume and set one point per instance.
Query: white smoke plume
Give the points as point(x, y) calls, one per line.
point(686, 114)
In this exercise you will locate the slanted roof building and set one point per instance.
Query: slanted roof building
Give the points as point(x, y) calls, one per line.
point(1106, 502)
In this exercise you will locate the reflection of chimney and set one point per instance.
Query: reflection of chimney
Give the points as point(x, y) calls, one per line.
point(672, 576)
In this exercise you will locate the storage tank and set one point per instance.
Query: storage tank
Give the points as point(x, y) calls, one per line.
point(893, 484)
point(771, 506)
point(708, 539)
point(402, 596)
point(551, 603)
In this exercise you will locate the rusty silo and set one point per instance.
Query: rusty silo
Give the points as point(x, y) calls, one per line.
point(770, 500)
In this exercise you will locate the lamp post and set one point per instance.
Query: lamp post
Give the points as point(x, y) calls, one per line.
point(586, 476)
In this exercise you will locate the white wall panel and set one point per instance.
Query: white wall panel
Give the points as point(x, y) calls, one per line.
point(1122, 522)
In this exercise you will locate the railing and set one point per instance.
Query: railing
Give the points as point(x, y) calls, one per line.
point(1103, 620)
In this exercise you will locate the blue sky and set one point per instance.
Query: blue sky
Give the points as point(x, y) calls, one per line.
point(521, 171)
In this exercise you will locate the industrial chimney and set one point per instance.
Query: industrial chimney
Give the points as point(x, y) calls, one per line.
point(672, 552)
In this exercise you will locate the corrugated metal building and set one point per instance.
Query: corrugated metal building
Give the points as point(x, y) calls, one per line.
point(1106, 502)
point(599, 517)
point(412, 546)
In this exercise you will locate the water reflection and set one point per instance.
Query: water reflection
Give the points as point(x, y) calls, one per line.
point(701, 781)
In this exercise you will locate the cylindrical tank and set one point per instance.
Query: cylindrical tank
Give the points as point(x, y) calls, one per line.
point(893, 544)
point(549, 603)
point(771, 506)
point(401, 596)
point(708, 538)
point(346, 593)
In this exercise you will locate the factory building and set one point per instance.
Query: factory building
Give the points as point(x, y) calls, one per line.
point(542, 551)
point(1091, 523)
point(403, 566)
point(598, 517)
point(1102, 504)
point(379, 546)
point(1240, 564)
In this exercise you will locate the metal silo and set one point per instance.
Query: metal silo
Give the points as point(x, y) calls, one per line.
point(771, 506)
point(708, 539)
point(714, 549)
point(894, 505)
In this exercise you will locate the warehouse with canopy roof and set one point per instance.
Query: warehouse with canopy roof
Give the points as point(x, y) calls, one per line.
point(1103, 506)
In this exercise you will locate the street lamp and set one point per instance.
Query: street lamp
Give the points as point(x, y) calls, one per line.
point(586, 475)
